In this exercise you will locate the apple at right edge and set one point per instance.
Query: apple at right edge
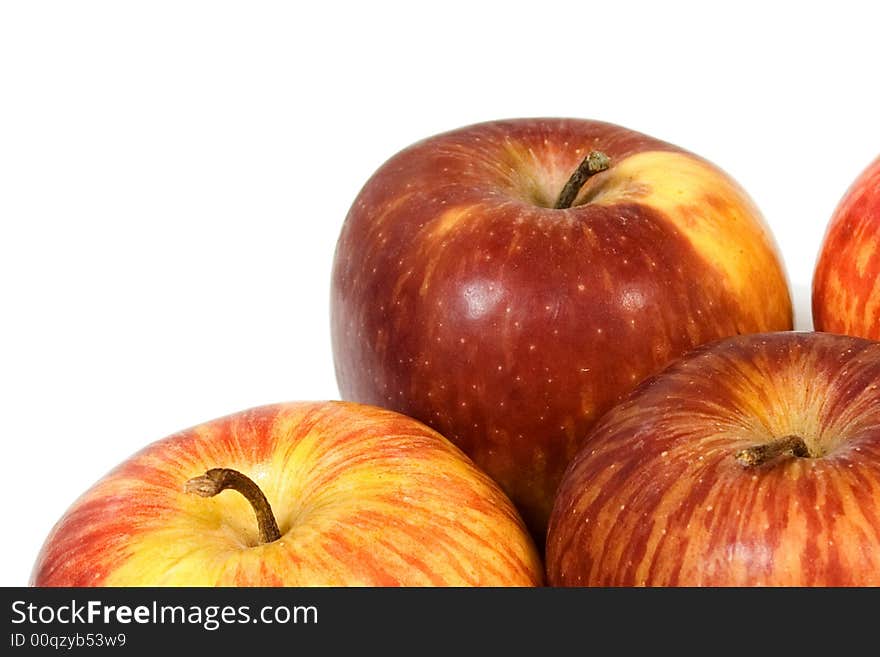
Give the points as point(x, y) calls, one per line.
point(752, 461)
point(846, 292)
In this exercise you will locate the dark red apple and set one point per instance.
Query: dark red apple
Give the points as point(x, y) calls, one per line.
point(463, 297)
point(751, 461)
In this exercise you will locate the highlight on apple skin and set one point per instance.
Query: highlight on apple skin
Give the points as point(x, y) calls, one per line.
point(846, 292)
point(362, 497)
point(463, 297)
point(753, 461)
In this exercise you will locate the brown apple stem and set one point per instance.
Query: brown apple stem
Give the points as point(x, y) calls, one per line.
point(593, 163)
point(758, 454)
point(219, 479)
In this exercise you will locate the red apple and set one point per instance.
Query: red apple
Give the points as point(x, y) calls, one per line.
point(846, 292)
point(751, 461)
point(461, 296)
point(362, 496)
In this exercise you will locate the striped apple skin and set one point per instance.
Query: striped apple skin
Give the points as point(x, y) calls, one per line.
point(846, 291)
point(656, 496)
point(363, 497)
point(462, 298)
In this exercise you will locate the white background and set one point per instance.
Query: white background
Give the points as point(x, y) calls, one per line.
point(173, 177)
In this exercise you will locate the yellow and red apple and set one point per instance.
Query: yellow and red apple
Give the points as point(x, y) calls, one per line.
point(846, 292)
point(471, 293)
point(332, 493)
point(751, 461)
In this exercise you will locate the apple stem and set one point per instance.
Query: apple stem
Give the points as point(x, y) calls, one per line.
point(758, 454)
point(219, 479)
point(593, 163)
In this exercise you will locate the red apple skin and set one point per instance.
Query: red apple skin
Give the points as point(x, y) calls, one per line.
point(846, 293)
point(656, 496)
point(363, 497)
point(461, 298)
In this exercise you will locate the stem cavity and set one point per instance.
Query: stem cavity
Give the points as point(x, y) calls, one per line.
point(217, 480)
